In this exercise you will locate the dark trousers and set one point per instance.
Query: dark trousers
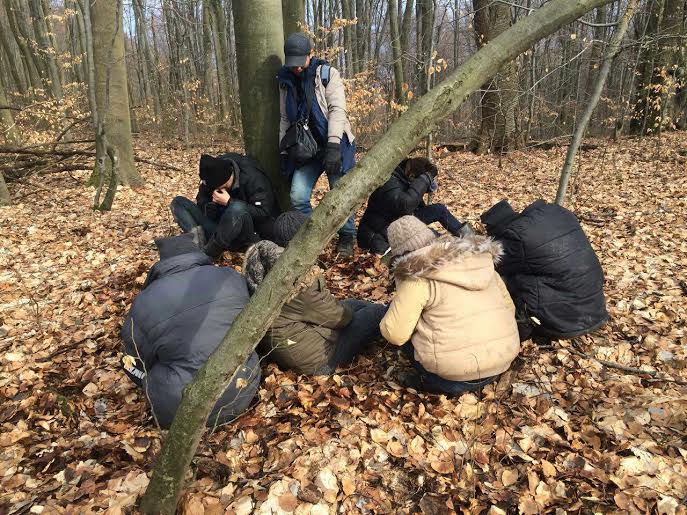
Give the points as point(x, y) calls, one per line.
point(439, 213)
point(234, 231)
point(437, 384)
point(362, 330)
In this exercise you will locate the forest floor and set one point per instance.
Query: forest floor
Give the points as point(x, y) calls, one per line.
point(559, 432)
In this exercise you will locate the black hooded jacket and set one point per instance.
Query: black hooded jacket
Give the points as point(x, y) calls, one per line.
point(397, 197)
point(550, 269)
point(252, 186)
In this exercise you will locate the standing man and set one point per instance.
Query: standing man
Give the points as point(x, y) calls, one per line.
point(313, 106)
point(235, 206)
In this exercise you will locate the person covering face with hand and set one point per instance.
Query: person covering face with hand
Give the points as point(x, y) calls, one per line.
point(235, 205)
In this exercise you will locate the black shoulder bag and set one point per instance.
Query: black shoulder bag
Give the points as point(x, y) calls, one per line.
point(298, 142)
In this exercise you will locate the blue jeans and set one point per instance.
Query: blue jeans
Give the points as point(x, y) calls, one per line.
point(437, 384)
point(439, 213)
point(235, 230)
point(302, 183)
point(362, 330)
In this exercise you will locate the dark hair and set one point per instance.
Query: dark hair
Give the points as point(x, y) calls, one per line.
point(418, 166)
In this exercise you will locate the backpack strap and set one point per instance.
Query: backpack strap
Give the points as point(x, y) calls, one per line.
point(324, 74)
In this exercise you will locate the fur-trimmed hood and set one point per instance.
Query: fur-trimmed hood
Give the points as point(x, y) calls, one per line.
point(467, 262)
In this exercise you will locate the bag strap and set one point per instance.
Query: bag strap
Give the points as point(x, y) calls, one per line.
point(309, 88)
point(324, 74)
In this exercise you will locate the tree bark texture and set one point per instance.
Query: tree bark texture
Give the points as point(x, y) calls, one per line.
point(293, 13)
point(372, 171)
point(111, 94)
point(5, 199)
point(20, 31)
point(259, 55)
point(583, 122)
point(7, 128)
point(396, 49)
point(498, 130)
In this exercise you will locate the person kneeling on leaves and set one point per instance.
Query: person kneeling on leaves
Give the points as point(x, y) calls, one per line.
point(403, 195)
point(178, 319)
point(234, 208)
point(452, 306)
point(314, 332)
point(550, 269)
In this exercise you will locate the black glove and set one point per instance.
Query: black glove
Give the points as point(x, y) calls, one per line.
point(332, 158)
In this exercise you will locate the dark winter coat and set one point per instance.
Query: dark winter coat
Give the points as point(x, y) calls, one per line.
point(397, 197)
point(253, 187)
point(550, 269)
point(304, 335)
point(185, 308)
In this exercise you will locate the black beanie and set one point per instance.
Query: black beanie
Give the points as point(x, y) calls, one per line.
point(286, 226)
point(215, 171)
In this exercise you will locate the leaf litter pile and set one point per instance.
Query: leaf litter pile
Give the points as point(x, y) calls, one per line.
point(561, 432)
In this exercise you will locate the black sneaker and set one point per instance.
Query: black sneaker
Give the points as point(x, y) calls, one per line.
point(213, 249)
point(198, 236)
point(344, 247)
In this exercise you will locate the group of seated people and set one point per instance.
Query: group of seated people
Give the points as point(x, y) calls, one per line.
point(463, 301)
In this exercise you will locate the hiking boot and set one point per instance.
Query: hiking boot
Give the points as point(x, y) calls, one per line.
point(344, 247)
point(198, 236)
point(213, 249)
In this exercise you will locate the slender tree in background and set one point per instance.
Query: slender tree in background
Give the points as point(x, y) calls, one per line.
point(250, 326)
point(293, 13)
point(5, 198)
point(111, 94)
point(396, 48)
point(498, 130)
point(583, 122)
point(259, 55)
point(7, 127)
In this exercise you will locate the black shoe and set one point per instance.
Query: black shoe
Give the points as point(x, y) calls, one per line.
point(411, 380)
point(213, 249)
point(344, 247)
point(198, 236)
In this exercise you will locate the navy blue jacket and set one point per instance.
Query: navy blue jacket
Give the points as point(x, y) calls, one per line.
point(550, 269)
point(185, 308)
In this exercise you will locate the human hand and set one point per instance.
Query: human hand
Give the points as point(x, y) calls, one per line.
point(221, 197)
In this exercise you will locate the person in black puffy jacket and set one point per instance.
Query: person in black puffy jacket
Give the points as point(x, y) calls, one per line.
point(550, 269)
point(403, 195)
point(178, 319)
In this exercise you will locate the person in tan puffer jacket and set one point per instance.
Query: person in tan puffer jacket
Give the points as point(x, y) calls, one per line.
point(452, 306)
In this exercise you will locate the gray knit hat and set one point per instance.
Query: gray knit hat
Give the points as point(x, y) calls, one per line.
point(286, 226)
point(259, 260)
point(408, 234)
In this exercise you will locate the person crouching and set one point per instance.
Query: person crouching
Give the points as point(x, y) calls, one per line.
point(451, 312)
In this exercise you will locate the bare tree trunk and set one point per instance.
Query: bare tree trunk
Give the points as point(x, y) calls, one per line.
point(498, 130)
point(396, 48)
point(48, 52)
point(7, 127)
point(293, 13)
point(19, 28)
point(372, 171)
point(12, 63)
point(219, 25)
point(609, 55)
point(111, 94)
point(260, 54)
point(5, 198)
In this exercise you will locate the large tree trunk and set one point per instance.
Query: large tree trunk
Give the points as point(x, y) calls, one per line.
point(259, 55)
point(21, 34)
point(14, 65)
point(5, 198)
point(581, 127)
point(111, 94)
point(396, 49)
point(498, 131)
point(293, 13)
point(372, 171)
